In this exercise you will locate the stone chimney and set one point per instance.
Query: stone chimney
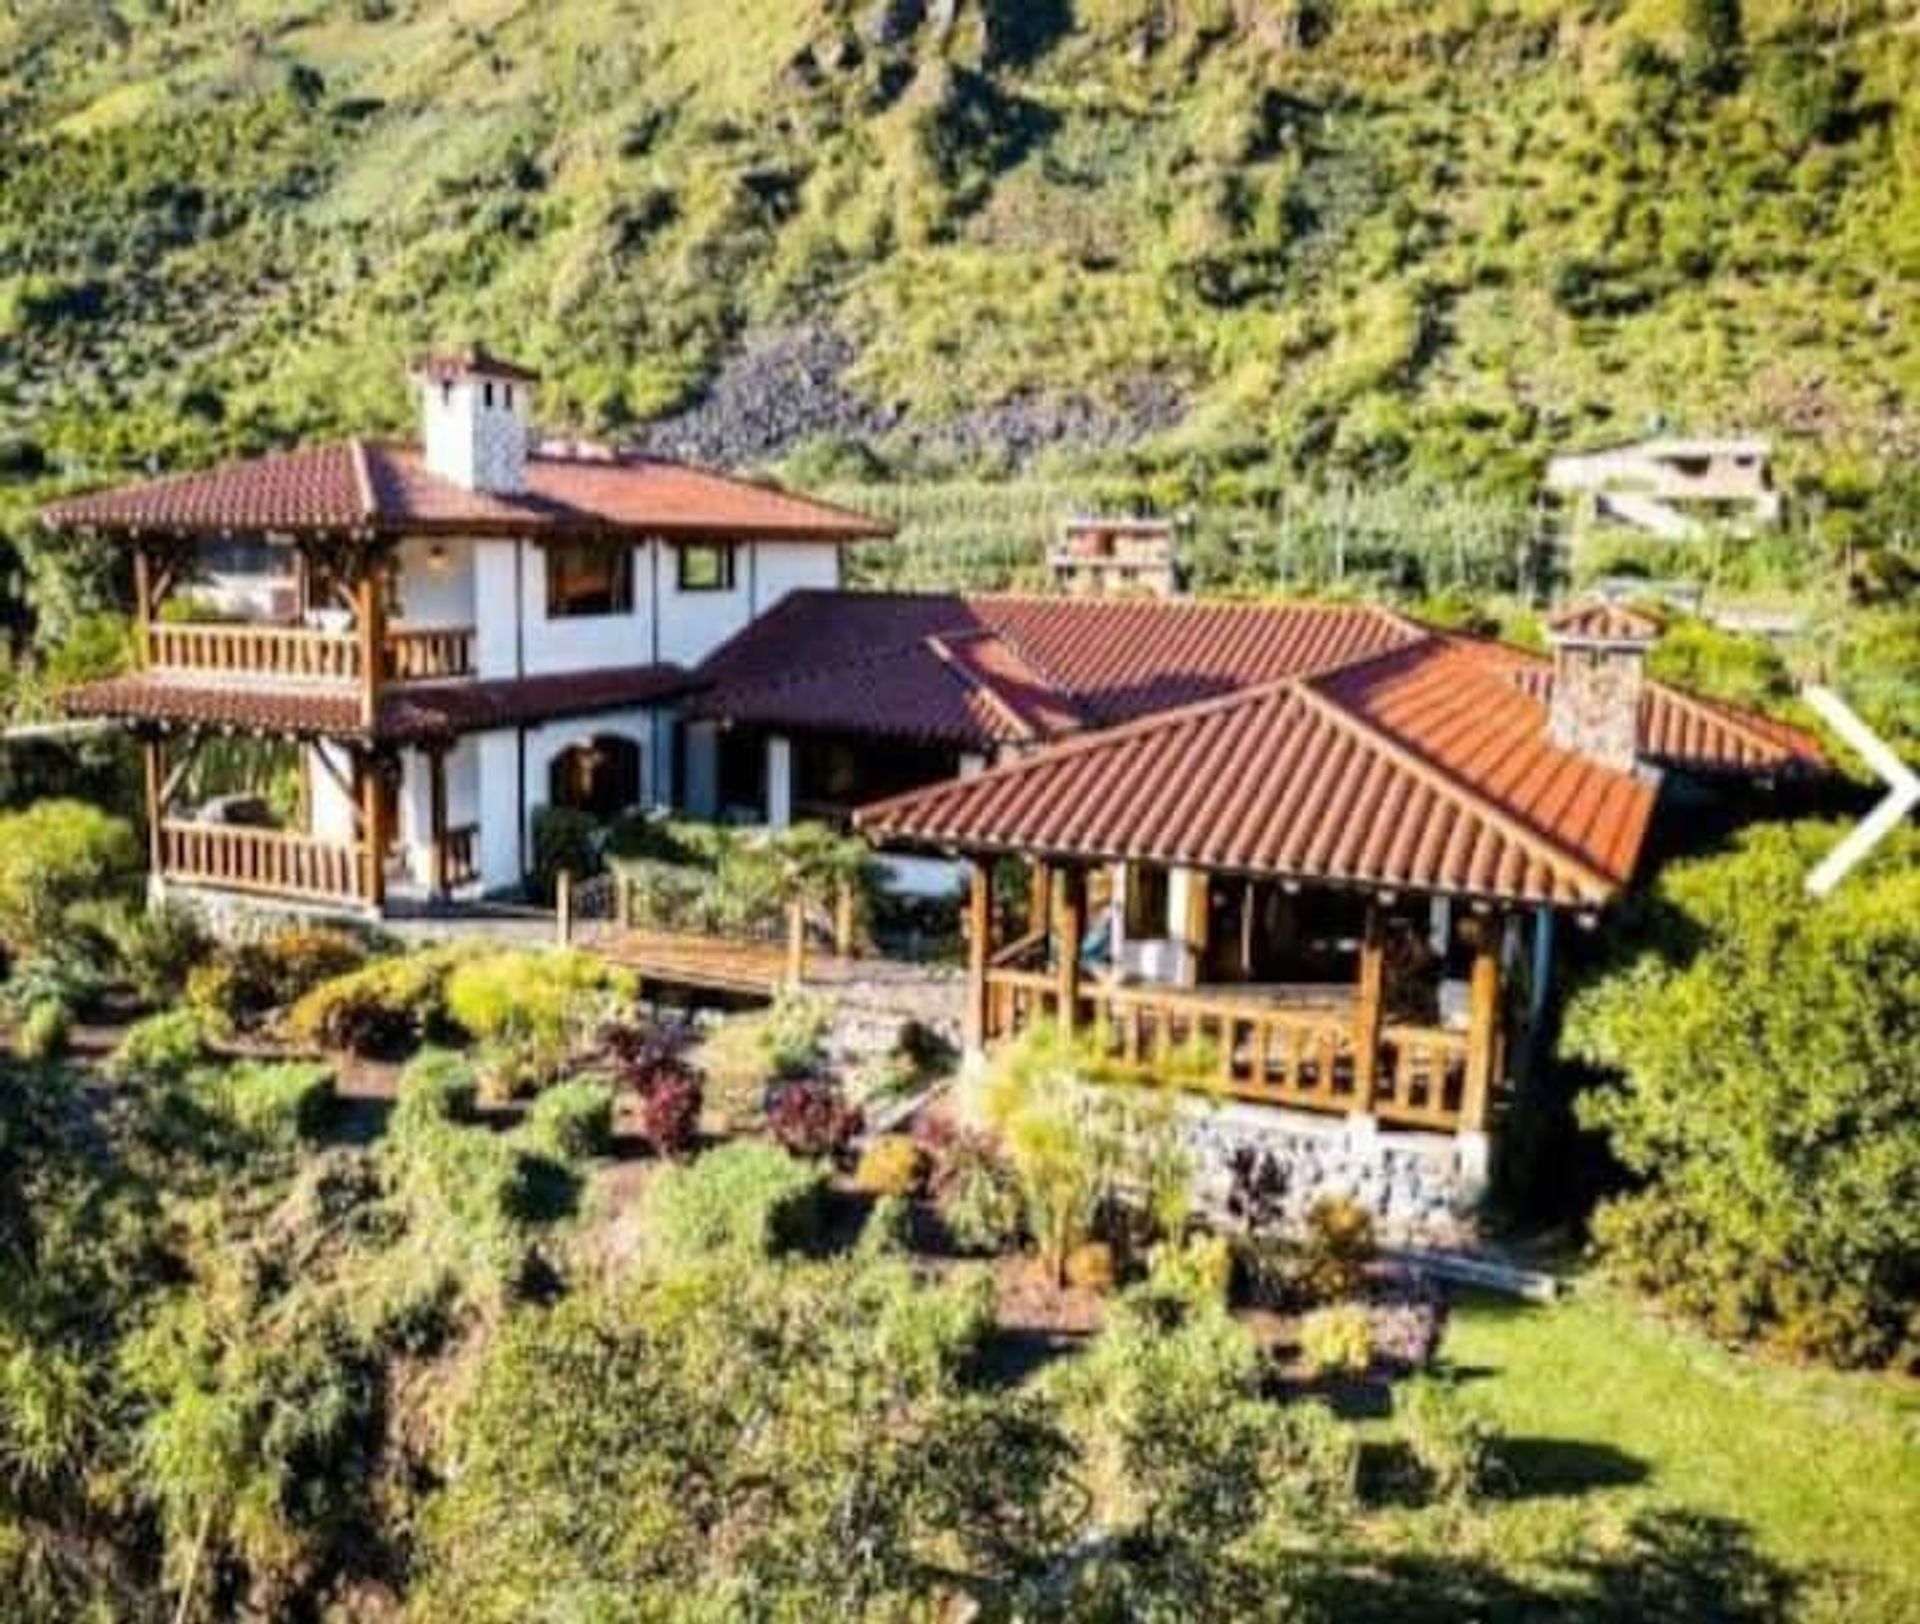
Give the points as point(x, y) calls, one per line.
point(1599, 673)
point(476, 415)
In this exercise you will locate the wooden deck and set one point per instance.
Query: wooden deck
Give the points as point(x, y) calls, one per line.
point(712, 964)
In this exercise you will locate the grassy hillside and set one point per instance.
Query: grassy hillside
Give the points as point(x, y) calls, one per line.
point(1341, 234)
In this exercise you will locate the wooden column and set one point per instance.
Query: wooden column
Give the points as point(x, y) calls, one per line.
point(373, 833)
point(1194, 928)
point(979, 947)
point(1072, 916)
point(1039, 898)
point(437, 820)
point(153, 752)
point(796, 941)
point(843, 919)
point(1369, 1007)
point(142, 606)
point(370, 621)
point(1483, 1025)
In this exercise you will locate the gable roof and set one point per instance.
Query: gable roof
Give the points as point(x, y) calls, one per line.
point(1423, 768)
point(1039, 668)
point(1597, 621)
point(983, 671)
point(383, 488)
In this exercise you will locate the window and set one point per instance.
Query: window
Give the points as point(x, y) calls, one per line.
point(706, 567)
point(1147, 903)
point(600, 776)
point(486, 391)
point(588, 578)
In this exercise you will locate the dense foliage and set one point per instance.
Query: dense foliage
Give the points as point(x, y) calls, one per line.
point(1768, 1098)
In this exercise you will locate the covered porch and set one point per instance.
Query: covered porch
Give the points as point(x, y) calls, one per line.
point(1375, 1004)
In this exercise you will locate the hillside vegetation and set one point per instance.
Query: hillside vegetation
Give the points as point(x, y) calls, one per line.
point(1194, 236)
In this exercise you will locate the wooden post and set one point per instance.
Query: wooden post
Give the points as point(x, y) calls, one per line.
point(373, 833)
point(1194, 928)
point(843, 919)
point(153, 752)
point(437, 820)
point(370, 620)
point(1039, 898)
point(1072, 915)
point(142, 606)
point(796, 941)
point(979, 946)
point(563, 907)
point(1369, 1003)
point(1483, 1026)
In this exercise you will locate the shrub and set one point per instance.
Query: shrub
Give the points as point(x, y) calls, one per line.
point(742, 1198)
point(1337, 1250)
point(1768, 1094)
point(1090, 1266)
point(977, 1195)
point(157, 948)
point(563, 839)
point(795, 1033)
point(811, 1118)
point(1337, 1340)
point(533, 1010)
point(63, 978)
point(574, 1119)
point(652, 1061)
point(277, 1103)
point(1198, 1270)
point(162, 1048)
point(437, 1086)
point(384, 1007)
point(45, 1031)
point(1450, 1443)
point(888, 1230)
point(892, 1165)
point(52, 855)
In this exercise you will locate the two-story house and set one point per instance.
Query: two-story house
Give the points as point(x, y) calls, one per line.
point(452, 634)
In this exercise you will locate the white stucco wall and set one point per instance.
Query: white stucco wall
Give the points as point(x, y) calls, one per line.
point(331, 814)
point(437, 594)
point(496, 650)
point(584, 642)
point(416, 802)
point(498, 774)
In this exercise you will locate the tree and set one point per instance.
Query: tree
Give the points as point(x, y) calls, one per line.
point(1768, 1097)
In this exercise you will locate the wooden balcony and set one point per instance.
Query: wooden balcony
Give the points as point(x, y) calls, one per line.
point(264, 862)
point(258, 651)
point(1257, 1049)
point(430, 654)
point(243, 649)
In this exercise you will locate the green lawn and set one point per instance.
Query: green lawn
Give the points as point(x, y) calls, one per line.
point(1653, 1474)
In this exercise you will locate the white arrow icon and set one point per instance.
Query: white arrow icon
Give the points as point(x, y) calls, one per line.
point(1902, 797)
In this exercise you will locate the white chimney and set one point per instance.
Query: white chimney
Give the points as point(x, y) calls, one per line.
point(476, 416)
point(1599, 675)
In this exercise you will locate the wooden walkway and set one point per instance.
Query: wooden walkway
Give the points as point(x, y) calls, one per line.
point(711, 964)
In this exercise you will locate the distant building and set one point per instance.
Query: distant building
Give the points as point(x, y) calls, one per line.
point(1105, 558)
point(1671, 488)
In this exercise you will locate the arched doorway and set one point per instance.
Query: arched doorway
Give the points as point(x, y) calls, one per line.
point(600, 775)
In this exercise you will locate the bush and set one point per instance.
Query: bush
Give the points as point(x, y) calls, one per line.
point(437, 1086)
point(52, 855)
point(652, 1061)
point(888, 1230)
point(1337, 1340)
point(977, 1196)
point(385, 1007)
point(564, 839)
point(162, 1048)
point(45, 1032)
point(811, 1118)
point(1199, 1270)
point(277, 1103)
point(157, 948)
point(1090, 1266)
point(1767, 1053)
point(574, 1119)
point(892, 1165)
point(63, 978)
point(1337, 1250)
point(1450, 1443)
point(795, 1032)
point(742, 1198)
point(534, 1011)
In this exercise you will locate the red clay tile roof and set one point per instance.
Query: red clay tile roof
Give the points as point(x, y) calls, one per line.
point(365, 485)
point(1596, 621)
point(408, 715)
point(1413, 770)
point(920, 665)
point(474, 360)
point(883, 664)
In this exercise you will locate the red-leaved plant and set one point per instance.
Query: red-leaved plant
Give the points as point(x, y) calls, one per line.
point(651, 1060)
point(811, 1118)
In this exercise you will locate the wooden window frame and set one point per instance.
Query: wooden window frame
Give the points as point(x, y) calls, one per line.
point(619, 593)
point(727, 554)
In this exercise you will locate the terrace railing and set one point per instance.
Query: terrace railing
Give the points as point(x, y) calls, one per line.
point(430, 653)
point(270, 862)
point(1255, 1049)
point(244, 649)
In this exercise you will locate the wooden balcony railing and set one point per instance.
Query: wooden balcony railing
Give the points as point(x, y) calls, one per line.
point(1261, 1051)
point(272, 862)
point(430, 653)
point(241, 649)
